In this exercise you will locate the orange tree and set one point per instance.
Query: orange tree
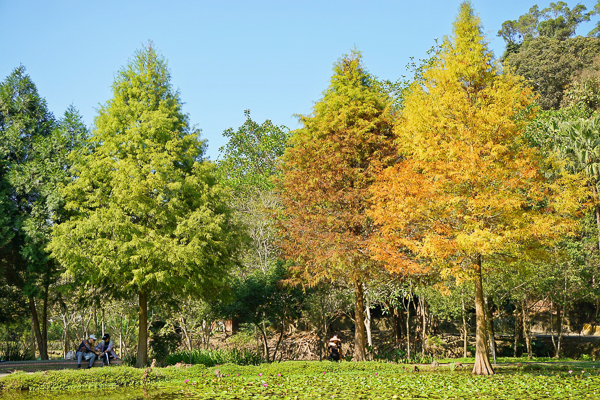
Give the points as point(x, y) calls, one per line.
point(467, 187)
point(326, 175)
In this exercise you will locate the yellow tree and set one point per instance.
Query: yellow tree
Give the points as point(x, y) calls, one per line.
point(468, 187)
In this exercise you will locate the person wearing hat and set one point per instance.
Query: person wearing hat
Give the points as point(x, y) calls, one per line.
point(335, 349)
point(105, 349)
point(86, 351)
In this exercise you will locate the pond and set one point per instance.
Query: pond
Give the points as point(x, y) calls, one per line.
point(351, 384)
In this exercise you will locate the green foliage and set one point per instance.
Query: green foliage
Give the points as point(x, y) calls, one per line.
point(210, 358)
point(557, 21)
point(148, 214)
point(251, 156)
point(550, 64)
point(164, 342)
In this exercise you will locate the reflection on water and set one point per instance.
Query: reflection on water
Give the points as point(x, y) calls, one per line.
point(106, 394)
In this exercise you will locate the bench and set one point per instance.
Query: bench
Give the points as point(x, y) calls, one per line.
point(47, 365)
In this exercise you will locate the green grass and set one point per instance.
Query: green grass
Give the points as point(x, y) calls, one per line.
point(305, 380)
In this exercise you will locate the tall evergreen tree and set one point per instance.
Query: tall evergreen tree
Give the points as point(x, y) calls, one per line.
point(30, 148)
point(148, 215)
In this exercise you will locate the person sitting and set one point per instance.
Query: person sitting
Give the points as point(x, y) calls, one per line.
point(106, 350)
point(86, 351)
point(335, 349)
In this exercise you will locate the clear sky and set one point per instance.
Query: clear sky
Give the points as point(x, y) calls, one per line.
point(272, 57)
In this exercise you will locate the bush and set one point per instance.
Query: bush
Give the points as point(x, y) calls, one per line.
point(15, 351)
point(210, 358)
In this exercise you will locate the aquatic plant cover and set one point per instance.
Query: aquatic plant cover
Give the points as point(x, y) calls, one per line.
point(307, 380)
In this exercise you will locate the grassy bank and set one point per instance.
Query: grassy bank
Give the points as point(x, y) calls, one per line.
point(322, 379)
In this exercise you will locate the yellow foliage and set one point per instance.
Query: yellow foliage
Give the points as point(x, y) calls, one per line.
point(468, 184)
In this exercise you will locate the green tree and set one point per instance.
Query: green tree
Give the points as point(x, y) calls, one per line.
point(550, 65)
point(247, 165)
point(33, 162)
point(147, 213)
point(557, 21)
point(262, 300)
point(251, 157)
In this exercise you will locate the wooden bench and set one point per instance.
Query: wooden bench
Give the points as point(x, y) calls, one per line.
point(47, 365)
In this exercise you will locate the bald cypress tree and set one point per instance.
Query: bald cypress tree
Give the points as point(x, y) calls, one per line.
point(148, 215)
point(327, 172)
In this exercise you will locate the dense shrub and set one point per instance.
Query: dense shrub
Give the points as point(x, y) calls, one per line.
point(210, 358)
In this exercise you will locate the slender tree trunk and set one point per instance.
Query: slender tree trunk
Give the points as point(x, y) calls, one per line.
point(185, 332)
point(120, 336)
point(95, 314)
point(424, 325)
point(482, 361)
point(490, 328)
point(65, 335)
point(396, 323)
point(526, 328)
point(280, 338)
point(359, 323)
point(408, 325)
point(142, 353)
point(559, 313)
point(265, 341)
point(41, 345)
point(45, 319)
point(518, 329)
point(368, 324)
point(464, 325)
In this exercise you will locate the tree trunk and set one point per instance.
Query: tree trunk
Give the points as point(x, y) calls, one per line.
point(185, 332)
point(359, 323)
point(408, 326)
point(121, 337)
point(35, 323)
point(280, 338)
point(464, 326)
point(424, 325)
point(368, 325)
point(557, 348)
point(45, 320)
point(490, 328)
point(526, 328)
point(263, 334)
point(95, 314)
point(396, 323)
point(482, 361)
point(142, 353)
point(518, 329)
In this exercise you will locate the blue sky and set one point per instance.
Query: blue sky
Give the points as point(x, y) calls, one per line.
point(272, 57)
